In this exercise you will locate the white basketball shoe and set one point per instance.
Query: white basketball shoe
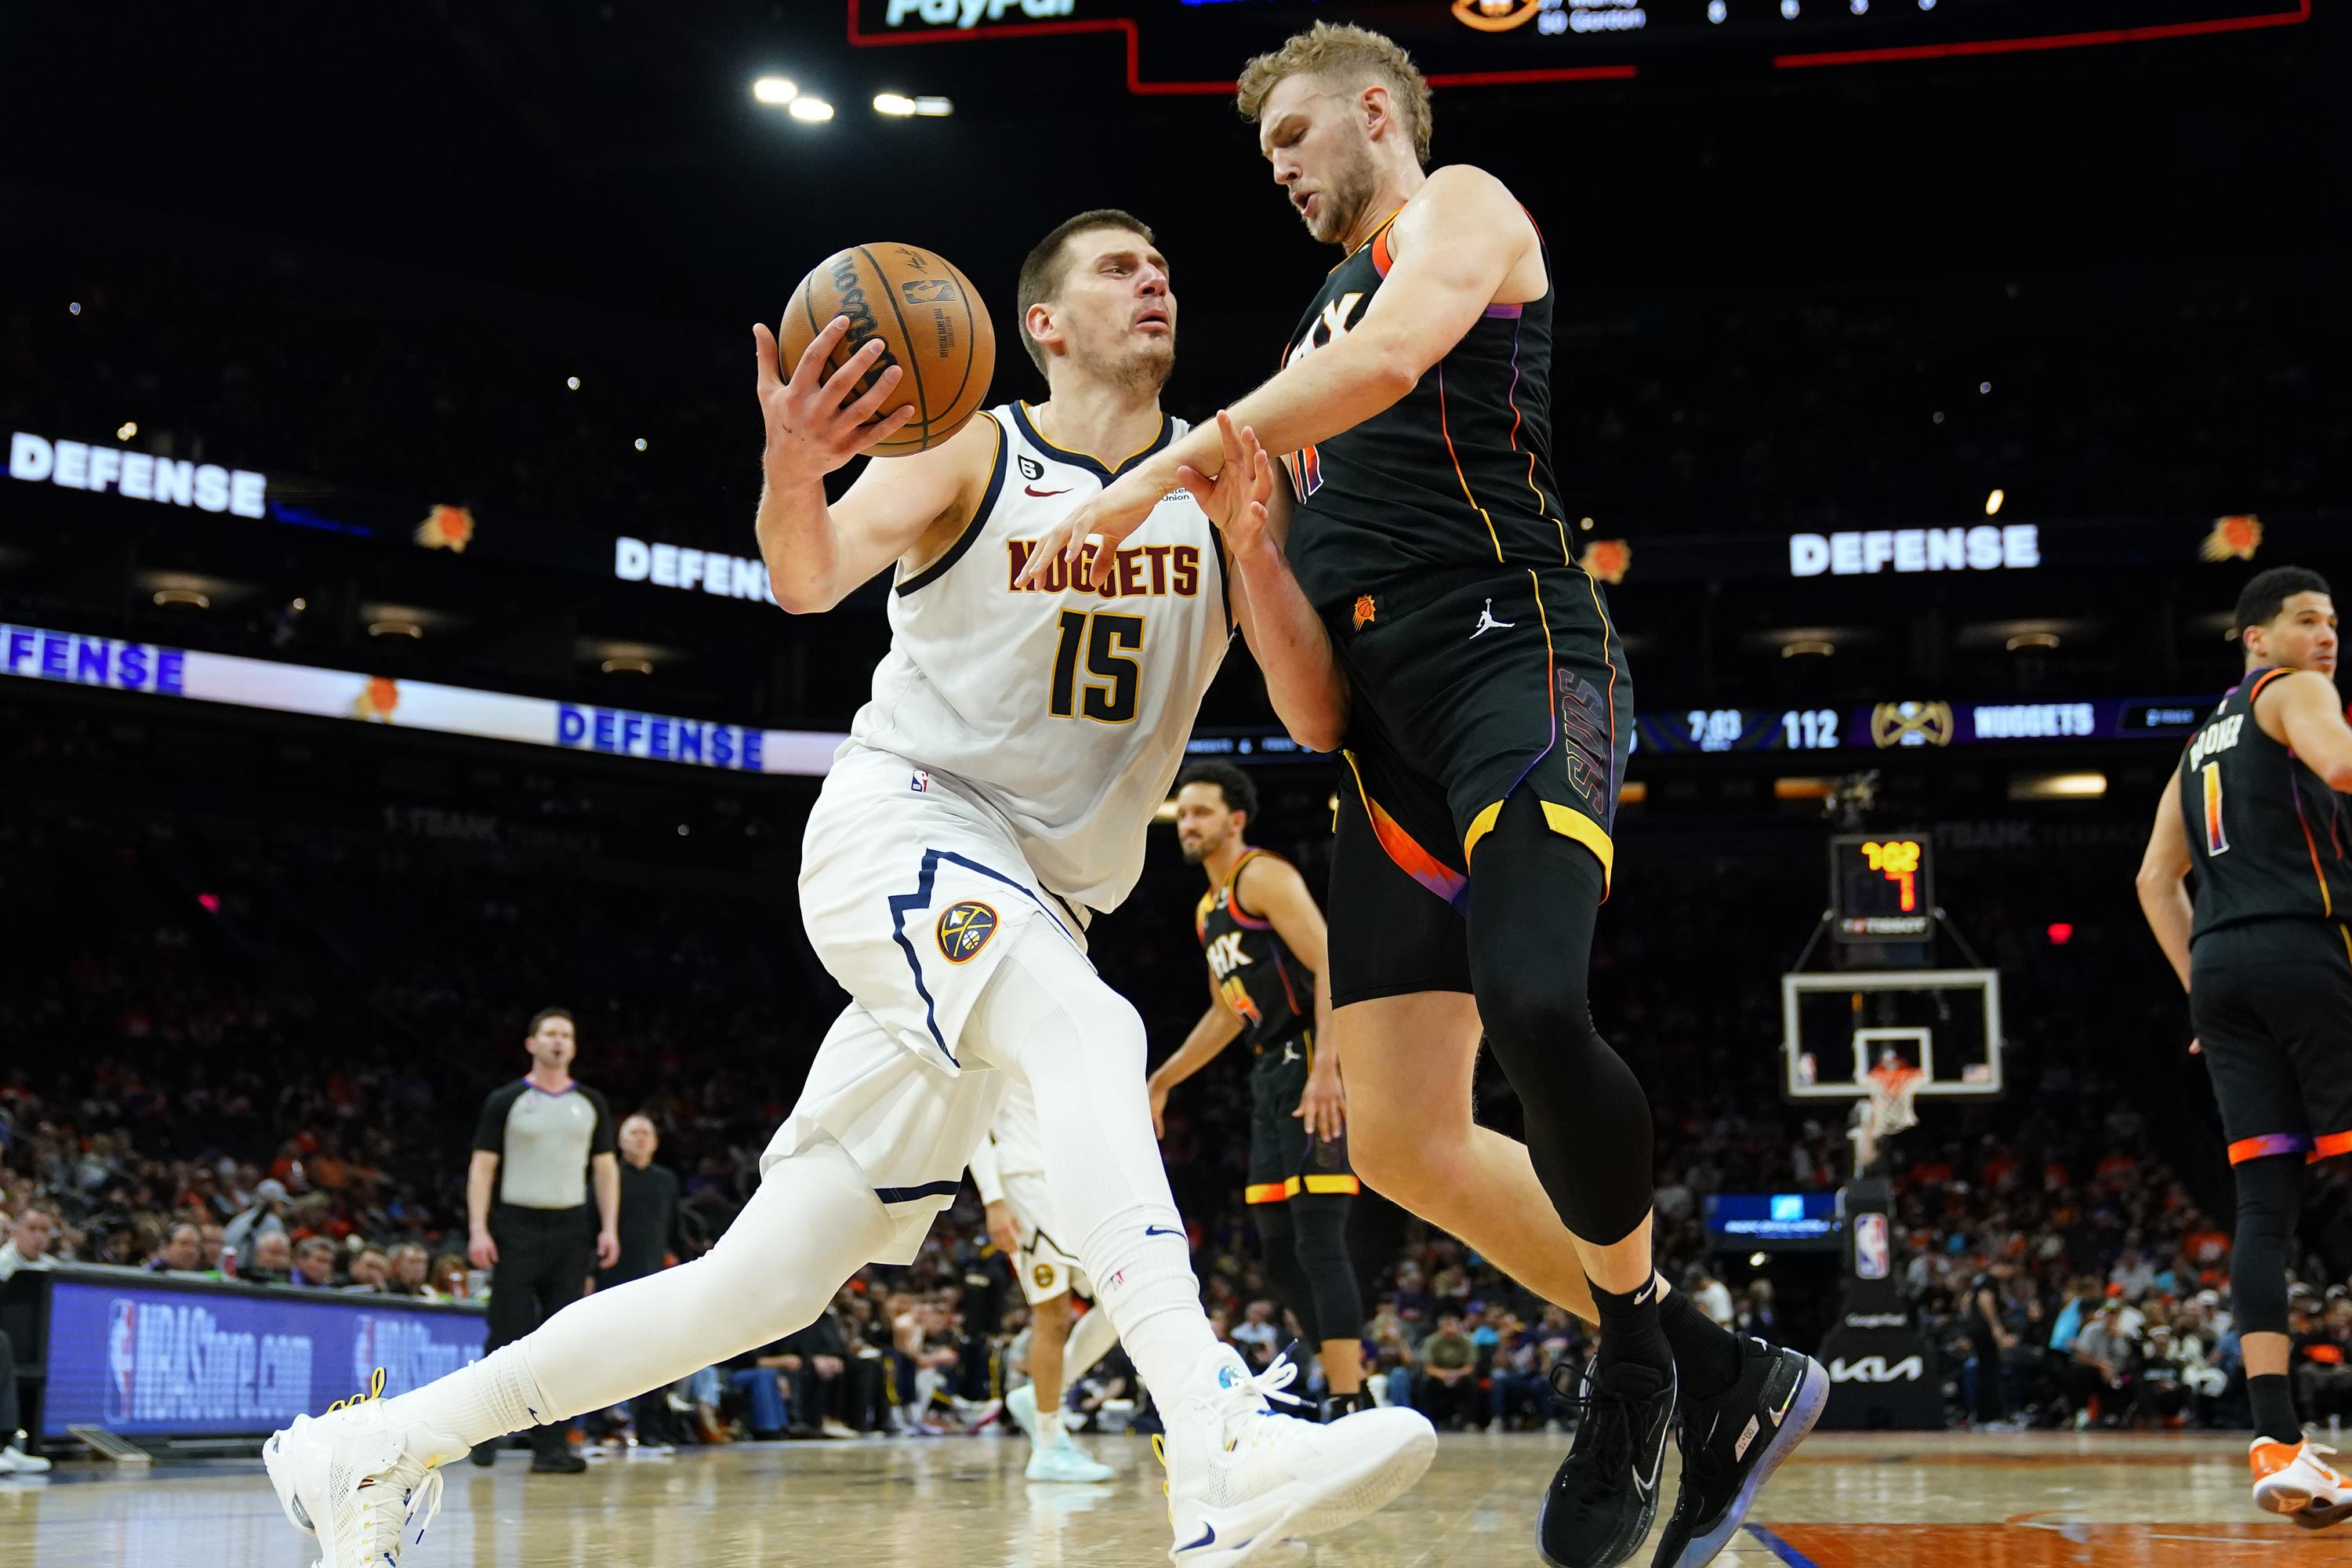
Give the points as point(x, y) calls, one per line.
point(2290, 1478)
point(1241, 1477)
point(364, 1484)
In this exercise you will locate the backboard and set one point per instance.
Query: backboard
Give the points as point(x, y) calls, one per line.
point(1945, 1023)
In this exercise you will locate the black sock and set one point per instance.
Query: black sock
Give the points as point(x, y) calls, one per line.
point(1707, 1357)
point(1630, 1329)
point(2273, 1408)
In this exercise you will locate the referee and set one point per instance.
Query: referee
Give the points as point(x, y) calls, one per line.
point(540, 1140)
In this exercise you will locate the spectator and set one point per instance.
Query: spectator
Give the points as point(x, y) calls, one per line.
point(28, 1243)
point(265, 1215)
point(2103, 1355)
point(273, 1259)
point(1258, 1335)
point(1709, 1295)
point(448, 1278)
point(1448, 1389)
point(314, 1264)
point(370, 1271)
point(181, 1253)
point(411, 1271)
point(2321, 1363)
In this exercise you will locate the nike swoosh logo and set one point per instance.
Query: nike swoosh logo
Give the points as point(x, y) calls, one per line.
point(1159, 1230)
point(1788, 1402)
point(1208, 1534)
point(1034, 491)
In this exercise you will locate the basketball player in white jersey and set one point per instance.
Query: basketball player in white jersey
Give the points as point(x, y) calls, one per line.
point(1009, 1168)
point(992, 795)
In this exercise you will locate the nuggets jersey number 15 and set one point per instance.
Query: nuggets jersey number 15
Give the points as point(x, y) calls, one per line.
point(1064, 708)
point(2267, 838)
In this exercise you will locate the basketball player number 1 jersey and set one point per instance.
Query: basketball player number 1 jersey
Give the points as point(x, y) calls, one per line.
point(1064, 709)
point(2267, 838)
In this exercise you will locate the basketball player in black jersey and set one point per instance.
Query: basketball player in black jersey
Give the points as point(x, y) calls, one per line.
point(1423, 612)
point(1264, 940)
point(2264, 947)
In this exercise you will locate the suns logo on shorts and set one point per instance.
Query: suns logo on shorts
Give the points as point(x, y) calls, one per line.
point(964, 929)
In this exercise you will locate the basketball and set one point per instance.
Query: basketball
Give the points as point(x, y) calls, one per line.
point(931, 323)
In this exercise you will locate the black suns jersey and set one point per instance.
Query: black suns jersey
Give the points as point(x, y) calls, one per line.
point(1457, 473)
point(2267, 838)
point(1255, 971)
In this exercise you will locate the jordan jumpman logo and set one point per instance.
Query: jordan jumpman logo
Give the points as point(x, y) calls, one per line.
point(1487, 623)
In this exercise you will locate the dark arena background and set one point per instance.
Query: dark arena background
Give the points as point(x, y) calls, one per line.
point(389, 656)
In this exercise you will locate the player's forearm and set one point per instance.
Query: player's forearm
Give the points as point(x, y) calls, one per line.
point(1334, 389)
point(1303, 678)
point(798, 544)
point(2164, 901)
point(1212, 1034)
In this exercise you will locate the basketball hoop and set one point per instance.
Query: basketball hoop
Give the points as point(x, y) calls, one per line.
point(1893, 1098)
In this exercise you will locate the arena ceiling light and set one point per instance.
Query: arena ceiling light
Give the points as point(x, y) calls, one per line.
point(814, 110)
point(127, 429)
point(2029, 641)
point(395, 628)
point(627, 665)
point(192, 597)
point(774, 90)
point(1992, 502)
point(899, 105)
point(2058, 786)
point(1807, 648)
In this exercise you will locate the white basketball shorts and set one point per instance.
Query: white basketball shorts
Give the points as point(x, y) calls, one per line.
point(1047, 1269)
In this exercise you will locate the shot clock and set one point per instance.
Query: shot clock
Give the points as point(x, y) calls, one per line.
point(1882, 886)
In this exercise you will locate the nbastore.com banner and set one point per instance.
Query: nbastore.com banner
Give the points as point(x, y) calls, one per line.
point(112, 665)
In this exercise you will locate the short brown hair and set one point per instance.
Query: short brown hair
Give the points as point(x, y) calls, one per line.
point(544, 1014)
point(1348, 57)
point(1043, 269)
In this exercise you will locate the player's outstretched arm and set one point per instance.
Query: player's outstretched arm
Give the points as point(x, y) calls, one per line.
point(2163, 872)
point(2309, 714)
point(1219, 1026)
point(905, 507)
point(1457, 245)
point(1275, 890)
point(1250, 504)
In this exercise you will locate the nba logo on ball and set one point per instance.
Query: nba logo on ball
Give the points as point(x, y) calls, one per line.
point(964, 929)
point(122, 1360)
point(1872, 1259)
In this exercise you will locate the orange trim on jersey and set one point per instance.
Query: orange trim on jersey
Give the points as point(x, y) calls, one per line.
point(2267, 677)
point(2326, 898)
point(2328, 1145)
point(1403, 849)
point(1510, 396)
point(1610, 781)
point(1265, 1192)
point(1234, 892)
point(1446, 430)
point(2268, 1144)
point(1200, 917)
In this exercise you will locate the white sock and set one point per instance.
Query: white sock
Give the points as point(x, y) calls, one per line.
point(813, 1223)
point(1091, 1339)
point(1049, 1428)
point(494, 1396)
point(1048, 1017)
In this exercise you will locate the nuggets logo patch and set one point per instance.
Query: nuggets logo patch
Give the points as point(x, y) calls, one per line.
point(1043, 1276)
point(964, 929)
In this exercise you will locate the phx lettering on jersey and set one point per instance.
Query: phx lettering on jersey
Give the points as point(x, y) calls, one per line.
point(1144, 570)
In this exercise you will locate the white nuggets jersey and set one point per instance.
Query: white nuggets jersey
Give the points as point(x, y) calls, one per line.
point(1063, 709)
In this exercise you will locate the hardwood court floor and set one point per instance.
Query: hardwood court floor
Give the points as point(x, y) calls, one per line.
point(1846, 1500)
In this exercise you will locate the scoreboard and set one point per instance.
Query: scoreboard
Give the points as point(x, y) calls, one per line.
point(1905, 723)
point(1198, 46)
point(1882, 886)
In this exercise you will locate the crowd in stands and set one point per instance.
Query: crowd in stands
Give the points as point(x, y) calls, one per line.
point(277, 1084)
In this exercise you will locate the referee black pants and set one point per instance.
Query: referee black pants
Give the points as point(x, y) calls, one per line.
point(545, 1256)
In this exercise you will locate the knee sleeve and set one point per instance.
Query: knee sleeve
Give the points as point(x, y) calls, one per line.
point(1321, 1223)
point(1534, 896)
point(1277, 1240)
point(2270, 1199)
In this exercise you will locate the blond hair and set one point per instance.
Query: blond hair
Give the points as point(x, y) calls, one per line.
point(1343, 55)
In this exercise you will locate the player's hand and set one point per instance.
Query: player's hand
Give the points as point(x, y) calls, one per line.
point(1110, 517)
point(816, 423)
point(1003, 1228)
point(481, 1251)
point(1324, 1106)
point(2196, 1046)
point(608, 1250)
point(826, 1365)
point(1235, 500)
point(1158, 1108)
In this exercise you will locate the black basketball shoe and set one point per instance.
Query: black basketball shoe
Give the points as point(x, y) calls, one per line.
point(1340, 1404)
point(1605, 1495)
point(1732, 1443)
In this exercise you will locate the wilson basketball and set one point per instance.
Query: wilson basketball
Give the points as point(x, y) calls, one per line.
point(931, 323)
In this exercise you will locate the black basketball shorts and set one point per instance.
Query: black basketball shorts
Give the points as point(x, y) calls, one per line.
point(2272, 1002)
point(1284, 1159)
point(1467, 686)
